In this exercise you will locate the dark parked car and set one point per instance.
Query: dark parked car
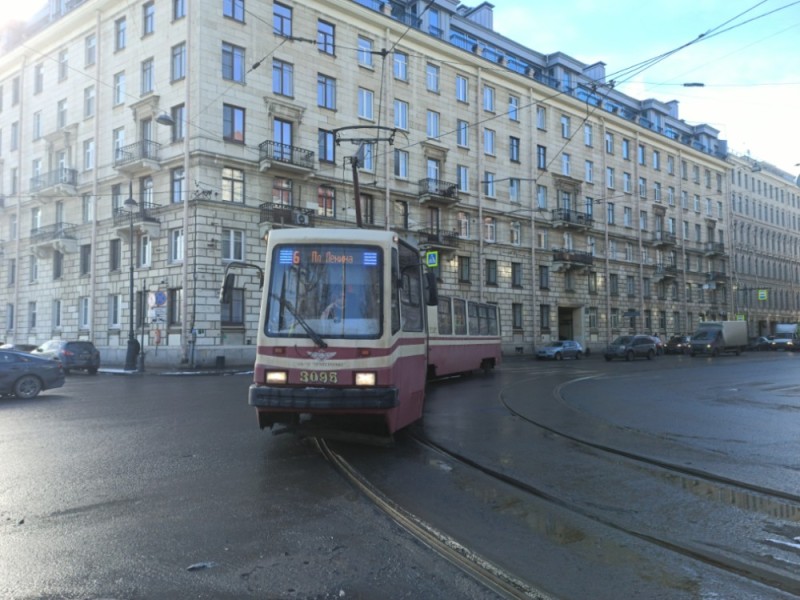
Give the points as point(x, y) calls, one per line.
point(72, 354)
point(678, 344)
point(761, 344)
point(630, 347)
point(559, 350)
point(24, 375)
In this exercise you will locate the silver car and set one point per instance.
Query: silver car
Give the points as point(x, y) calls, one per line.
point(630, 347)
point(560, 350)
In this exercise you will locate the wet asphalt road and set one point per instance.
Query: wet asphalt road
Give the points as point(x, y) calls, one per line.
point(115, 487)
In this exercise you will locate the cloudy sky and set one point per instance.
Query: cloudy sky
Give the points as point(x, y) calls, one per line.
point(748, 59)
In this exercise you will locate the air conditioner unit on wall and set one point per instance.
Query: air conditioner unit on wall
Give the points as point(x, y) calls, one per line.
point(301, 218)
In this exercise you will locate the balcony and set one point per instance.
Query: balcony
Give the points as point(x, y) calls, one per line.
point(571, 219)
point(714, 248)
point(59, 237)
point(438, 191)
point(436, 239)
point(663, 239)
point(285, 216)
point(144, 221)
point(716, 276)
point(138, 158)
point(291, 159)
point(565, 260)
point(666, 272)
point(61, 182)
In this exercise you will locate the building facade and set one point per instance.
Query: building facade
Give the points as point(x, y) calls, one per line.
point(154, 142)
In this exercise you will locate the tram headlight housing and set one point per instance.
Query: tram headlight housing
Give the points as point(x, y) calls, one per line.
point(364, 379)
point(276, 377)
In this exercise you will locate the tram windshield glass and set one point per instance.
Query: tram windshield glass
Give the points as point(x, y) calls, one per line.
point(325, 290)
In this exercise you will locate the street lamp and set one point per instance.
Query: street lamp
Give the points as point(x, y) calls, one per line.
point(133, 344)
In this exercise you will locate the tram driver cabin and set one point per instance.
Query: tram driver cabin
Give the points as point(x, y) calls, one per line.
point(351, 330)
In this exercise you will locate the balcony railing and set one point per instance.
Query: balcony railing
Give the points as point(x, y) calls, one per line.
point(442, 190)
point(567, 216)
point(144, 150)
point(62, 176)
point(48, 233)
point(437, 237)
point(714, 248)
point(663, 271)
point(574, 257)
point(664, 237)
point(143, 213)
point(284, 153)
point(716, 276)
point(282, 214)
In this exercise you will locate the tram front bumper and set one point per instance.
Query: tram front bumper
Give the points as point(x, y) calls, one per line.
point(315, 398)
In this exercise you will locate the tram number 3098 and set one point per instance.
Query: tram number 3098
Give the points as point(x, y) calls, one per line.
point(319, 377)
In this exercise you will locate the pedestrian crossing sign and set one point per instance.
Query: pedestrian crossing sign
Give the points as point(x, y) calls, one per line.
point(762, 294)
point(432, 258)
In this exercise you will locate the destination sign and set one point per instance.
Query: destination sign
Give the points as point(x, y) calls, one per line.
point(330, 256)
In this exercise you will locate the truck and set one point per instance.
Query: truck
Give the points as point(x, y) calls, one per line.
point(717, 337)
point(785, 337)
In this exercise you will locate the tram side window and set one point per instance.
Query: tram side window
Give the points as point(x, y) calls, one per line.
point(411, 305)
point(460, 316)
point(493, 330)
point(474, 327)
point(483, 319)
point(445, 316)
point(395, 292)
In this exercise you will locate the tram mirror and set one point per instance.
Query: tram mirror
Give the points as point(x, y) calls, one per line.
point(226, 291)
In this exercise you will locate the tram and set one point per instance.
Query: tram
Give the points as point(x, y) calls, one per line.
point(343, 334)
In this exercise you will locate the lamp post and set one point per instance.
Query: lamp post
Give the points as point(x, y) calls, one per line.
point(133, 344)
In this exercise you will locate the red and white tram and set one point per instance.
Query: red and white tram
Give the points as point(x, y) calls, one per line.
point(343, 331)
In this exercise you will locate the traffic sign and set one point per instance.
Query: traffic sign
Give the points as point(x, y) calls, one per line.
point(432, 258)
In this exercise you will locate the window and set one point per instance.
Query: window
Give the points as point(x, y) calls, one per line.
point(640, 154)
point(462, 177)
point(232, 185)
point(177, 113)
point(147, 76)
point(233, 9)
point(541, 197)
point(401, 114)
point(516, 315)
point(365, 52)
point(541, 117)
point(233, 68)
point(88, 155)
point(432, 78)
point(642, 187)
point(610, 178)
point(365, 99)
point(463, 269)
point(516, 274)
point(37, 128)
point(433, 124)
point(515, 233)
point(401, 66)
point(327, 146)
point(401, 164)
point(513, 145)
point(232, 312)
point(565, 127)
point(178, 9)
point(85, 259)
point(61, 114)
point(368, 160)
point(462, 89)
point(178, 63)
point(609, 143)
point(626, 149)
point(282, 191)
point(513, 108)
point(544, 317)
point(565, 164)
point(148, 18)
point(613, 284)
point(462, 220)
point(87, 208)
point(326, 91)
point(174, 306)
point(462, 133)
point(176, 185)
point(489, 229)
point(90, 50)
point(114, 310)
point(491, 271)
point(176, 245)
point(627, 216)
point(589, 171)
point(488, 184)
point(88, 102)
point(325, 37)
point(544, 277)
point(282, 78)
point(232, 123)
point(588, 134)
point(488, 141)
point(120, 34)
point(514, 189)
point(56, 318)
point(232, 244)
point(488, 98)
point(610, 212)
point(38, 78)
point(541, 157)
point(326, 201)
point(115, 255)
point(281, 20)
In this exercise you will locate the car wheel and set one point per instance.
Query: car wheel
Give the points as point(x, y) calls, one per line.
point(27, 386)
point(578, 355)
point(629, 355)
point(558, 356)
point(650, 355)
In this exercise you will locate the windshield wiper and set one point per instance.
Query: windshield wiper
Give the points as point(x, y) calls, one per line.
point(311, 333)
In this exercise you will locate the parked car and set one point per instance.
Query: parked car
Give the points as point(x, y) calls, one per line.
point(677, 344)
point(560, 350)
point(24, 375)
point(630, 347)
point(72, 354)
point(761, 344)
point(19, 347)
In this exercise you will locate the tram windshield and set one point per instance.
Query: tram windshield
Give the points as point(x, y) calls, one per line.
point(325, 291)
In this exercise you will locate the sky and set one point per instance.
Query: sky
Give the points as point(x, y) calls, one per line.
point(751, 72)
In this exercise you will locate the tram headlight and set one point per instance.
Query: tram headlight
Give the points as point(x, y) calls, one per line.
point(365, 379)
point(276, 377)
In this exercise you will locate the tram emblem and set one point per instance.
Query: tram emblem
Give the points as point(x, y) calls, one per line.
point(319, 355)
